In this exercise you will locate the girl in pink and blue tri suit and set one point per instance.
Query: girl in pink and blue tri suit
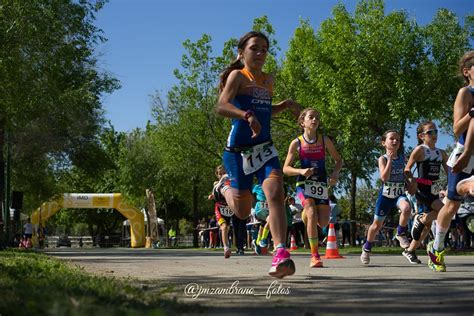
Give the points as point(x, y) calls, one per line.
point(312, 179)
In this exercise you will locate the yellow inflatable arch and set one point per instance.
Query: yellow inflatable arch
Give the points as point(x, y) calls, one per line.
point(95, 200)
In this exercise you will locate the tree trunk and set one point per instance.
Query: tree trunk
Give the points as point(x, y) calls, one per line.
point(402, 137)
point(3, 216)
point(153, 220)
point(195, 214)
point(353, 208)
point(166, 225)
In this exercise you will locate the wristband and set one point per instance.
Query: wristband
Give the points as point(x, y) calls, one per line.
point(471, 112)
point(248, 114)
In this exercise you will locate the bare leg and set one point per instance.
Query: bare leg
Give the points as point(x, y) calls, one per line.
point(373, 230)
point(273, 188)
point(225, 234)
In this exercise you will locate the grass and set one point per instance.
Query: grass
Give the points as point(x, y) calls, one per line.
point(35, 284)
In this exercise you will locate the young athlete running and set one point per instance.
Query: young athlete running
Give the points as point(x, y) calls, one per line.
point(312, 179)
point(222, 211)
point(246, 97)
point(428, 160)
point(462, 118)
point(391, 194)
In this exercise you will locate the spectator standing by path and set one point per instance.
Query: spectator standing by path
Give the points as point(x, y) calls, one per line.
point(213, 232)
point(202, 228)
point(28, 231)
point(240, 233)
point(298, 225)
point(346, 232)
point(172, 237)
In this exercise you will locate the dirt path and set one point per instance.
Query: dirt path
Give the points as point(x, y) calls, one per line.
point(240, 284)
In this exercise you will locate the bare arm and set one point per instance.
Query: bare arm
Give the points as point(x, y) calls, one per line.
point(461, 117)
point(288, 169)
point(225, 107)
point(385, 167)
point(416, 155)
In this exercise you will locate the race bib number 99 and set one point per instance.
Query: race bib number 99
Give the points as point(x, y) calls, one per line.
point(255, 157)
point(393, 189)
point(318, 190)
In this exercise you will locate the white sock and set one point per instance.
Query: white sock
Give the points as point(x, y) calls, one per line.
point(438, 244)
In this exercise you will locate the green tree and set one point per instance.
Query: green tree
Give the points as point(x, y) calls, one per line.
point(370, 72)
point(50, 89)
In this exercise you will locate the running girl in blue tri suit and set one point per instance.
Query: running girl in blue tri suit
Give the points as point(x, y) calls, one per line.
point(462, 119)
point(391, 194)
point(246, 97)
point(312, 178)
point(428, 160)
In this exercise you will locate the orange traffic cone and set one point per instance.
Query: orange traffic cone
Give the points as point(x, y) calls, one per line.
point(293, 245)
point(331, 248)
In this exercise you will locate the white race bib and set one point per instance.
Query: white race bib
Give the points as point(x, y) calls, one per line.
point(392, 190)
point(457, 151)
point(318, 190)
point(436, 187)
point(225, 211)
point(255, 157)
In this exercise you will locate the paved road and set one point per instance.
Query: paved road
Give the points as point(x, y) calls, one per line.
point(389, 285)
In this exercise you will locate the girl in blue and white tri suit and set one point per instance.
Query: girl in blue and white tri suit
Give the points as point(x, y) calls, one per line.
point(391, 194)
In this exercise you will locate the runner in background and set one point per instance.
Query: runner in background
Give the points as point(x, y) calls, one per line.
point(391, 194)
point(312, 179)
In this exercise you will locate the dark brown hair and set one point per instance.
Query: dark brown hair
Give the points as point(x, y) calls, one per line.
point(303, 114)
point(237, 64)
point(384, 136)
point(420, 129)
point(466, 61)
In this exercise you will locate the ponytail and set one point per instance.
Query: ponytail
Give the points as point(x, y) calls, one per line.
point(236, 64)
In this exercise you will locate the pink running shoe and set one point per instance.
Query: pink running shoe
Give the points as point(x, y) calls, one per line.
point(282, 265)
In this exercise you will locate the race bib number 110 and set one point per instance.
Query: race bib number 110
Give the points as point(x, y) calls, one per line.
point(393, 189)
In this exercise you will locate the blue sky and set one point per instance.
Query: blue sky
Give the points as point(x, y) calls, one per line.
point(145, 39)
